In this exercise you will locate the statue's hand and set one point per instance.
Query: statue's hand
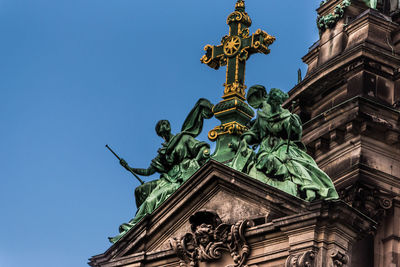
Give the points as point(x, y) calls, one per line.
point(123, 163)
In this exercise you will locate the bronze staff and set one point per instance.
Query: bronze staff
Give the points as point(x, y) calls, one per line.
point(134, 174)
point(290, 129)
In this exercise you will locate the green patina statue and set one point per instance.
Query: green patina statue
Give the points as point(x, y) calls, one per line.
point(281, 159)
point(268, 149)
point(330, 20)
point(180, 156)
point(371, 3)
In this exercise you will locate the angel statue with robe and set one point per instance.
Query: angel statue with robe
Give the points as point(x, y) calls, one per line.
point(281, 159)
point(179, 157)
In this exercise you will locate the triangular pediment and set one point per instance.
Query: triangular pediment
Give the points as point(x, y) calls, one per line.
point(215, 187)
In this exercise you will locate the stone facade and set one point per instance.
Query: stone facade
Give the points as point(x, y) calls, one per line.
point(275, 228)
point(350, 103)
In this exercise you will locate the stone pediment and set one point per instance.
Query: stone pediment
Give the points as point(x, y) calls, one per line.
point(253, 224)
point(216, 188)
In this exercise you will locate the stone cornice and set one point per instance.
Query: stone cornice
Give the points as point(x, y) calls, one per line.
point(319, 214)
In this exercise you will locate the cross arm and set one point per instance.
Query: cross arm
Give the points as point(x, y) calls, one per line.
point(214, 56)
point(259, 42)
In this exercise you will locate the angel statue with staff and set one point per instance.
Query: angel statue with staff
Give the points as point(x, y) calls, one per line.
point(179, 157)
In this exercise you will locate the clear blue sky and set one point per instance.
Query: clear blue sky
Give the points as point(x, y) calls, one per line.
point(77, 74)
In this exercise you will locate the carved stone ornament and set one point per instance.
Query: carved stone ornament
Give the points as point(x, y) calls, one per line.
point(339, 259)
point(209, 239)
point(305, 259)
point(367, 199)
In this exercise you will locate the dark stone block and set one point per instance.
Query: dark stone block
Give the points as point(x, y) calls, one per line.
point(369, 84)
point(355, 85)
point(384, 91)
point(363, 252)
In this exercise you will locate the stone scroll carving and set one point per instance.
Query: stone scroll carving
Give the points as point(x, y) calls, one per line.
point(339, 259)
point(305, 259)
point(209, 239)
point(367, 199)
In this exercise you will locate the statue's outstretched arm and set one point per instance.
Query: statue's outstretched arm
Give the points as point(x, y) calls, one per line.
point(144, 172)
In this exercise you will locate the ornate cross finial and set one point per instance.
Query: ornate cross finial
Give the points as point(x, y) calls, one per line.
point(240, 6)
point(233, 52)
point(235, 49)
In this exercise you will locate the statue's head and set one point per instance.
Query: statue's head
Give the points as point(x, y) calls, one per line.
point(163, 128)
point(277, 96)
point(204, 234)
point(256, 96)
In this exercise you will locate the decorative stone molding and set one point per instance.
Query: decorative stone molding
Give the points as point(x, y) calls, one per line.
point(209, 239)
point(367, 199)
point(305, 259)
point(339, 259)
point(359, 223)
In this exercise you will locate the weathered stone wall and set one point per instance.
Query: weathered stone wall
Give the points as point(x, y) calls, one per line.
point(349, 102)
